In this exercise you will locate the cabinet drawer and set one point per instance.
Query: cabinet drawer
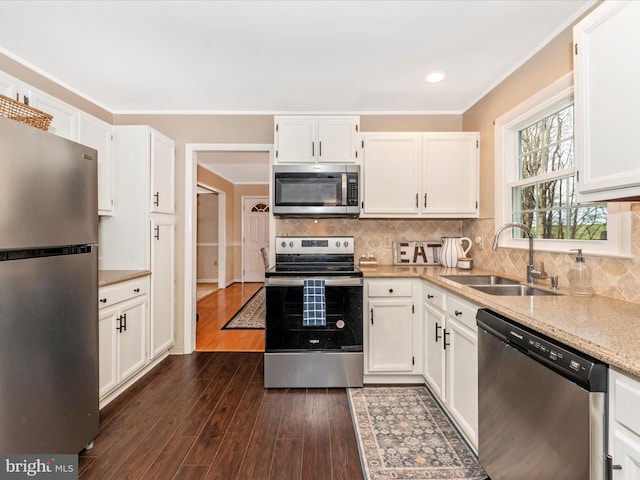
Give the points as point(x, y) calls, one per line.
point(627, 398)
point(118, 292)
point(398, 288)
point(462, 311)
point(434, 296)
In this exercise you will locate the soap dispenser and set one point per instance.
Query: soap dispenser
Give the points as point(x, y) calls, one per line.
point(580, 277)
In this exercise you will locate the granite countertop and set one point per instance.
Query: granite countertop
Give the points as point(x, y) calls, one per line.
point(603, 327)
point(109, 277)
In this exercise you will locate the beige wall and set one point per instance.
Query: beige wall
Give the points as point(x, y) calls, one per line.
point(548, 65)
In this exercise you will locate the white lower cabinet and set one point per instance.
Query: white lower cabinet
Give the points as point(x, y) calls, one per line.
point(624, 425)
point(123, 325)
point(451, 356)
point(434, 321)
point(392, 330)
point(462, 366)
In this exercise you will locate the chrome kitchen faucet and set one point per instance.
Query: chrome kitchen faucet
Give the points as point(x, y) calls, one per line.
point(532, 273)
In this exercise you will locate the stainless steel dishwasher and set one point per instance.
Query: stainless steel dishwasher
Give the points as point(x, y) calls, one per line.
point(541, 405)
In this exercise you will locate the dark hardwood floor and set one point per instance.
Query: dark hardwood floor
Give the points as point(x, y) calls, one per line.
point(207, 416)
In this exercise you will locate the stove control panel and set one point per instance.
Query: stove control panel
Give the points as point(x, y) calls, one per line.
point(314, 245)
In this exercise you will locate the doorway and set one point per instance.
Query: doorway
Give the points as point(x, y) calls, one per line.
point(255, 237)
point(190, 264)
point(207, 242)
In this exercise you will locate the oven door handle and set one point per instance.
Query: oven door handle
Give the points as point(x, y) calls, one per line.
point(299, 282)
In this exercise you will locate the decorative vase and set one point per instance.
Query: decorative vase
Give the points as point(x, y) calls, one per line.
point(452, 250)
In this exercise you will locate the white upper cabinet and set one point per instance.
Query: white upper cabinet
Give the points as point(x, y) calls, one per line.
point(316, 139)
point(99, 135)
point(390, 174)
point(162, 173)
point(65, 117)
point(73, 124)
point(8, 85)
point(420, 175)
point(607, 100)
point(450, 174)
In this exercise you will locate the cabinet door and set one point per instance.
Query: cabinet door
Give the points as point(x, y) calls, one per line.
point(9, 86)
point(65, 117)
point(162, 288)
point(390, 174)
point(107, 349)
point(162, 173)
point(450, 174)
point(337, 140)
point(606, 148)
point(390, 335)
point(434, 371)
point(626, 448)
point(462, 377)
point(296, 140)
point(98, 134)
point(132, 348)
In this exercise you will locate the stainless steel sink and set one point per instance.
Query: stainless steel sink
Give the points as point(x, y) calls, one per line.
point(480, 280)
point(512, 290)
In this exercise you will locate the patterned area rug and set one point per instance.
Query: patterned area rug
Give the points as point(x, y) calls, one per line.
point(403, 434)
point(251, 315)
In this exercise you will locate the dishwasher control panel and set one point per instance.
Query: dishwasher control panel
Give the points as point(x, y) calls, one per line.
point(564, 359)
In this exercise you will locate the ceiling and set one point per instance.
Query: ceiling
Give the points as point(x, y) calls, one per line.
point(237, 167)
point(280, 56)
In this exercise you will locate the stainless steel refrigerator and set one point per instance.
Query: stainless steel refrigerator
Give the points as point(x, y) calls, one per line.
point(48, 292)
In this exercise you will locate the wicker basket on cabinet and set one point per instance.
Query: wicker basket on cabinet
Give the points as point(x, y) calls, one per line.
point(24, 113)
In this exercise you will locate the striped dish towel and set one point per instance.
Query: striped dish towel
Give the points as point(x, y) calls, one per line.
point(313, 304)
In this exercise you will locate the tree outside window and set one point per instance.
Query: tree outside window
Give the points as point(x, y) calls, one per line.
point(544, 197)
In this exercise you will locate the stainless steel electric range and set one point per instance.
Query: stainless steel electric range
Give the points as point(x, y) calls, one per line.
point(313, 326)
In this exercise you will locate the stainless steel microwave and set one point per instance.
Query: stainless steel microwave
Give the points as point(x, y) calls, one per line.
point(316, 190)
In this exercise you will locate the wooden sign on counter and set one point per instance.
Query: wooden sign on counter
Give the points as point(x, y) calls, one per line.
point(417, 253)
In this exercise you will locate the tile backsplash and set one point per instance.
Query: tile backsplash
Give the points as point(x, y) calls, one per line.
point(372, 236)
point(612, 277)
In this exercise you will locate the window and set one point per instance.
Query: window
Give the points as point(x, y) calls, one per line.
point(536, 179)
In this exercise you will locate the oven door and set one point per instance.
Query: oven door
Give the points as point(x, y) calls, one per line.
point(285, 331)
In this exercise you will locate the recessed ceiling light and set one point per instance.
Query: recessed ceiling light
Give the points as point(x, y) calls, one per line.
point(434, 77)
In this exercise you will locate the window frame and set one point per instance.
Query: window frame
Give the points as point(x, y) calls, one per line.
point(506, 130)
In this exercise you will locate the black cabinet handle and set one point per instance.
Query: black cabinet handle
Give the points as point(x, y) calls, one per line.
point(457, 313)
point(119, 327)
point(157, 234)
point(136, 290)
point(429, 297)
point(438, 337)
point(156, 200)
point(372, 316)
point(425, 199)
point(103, 300)
point(125, 321)
point(391, 290)
point(417, 200)
point(445, 344)
point(610, 467)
